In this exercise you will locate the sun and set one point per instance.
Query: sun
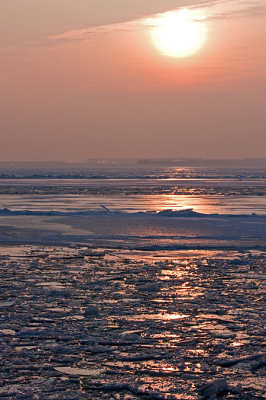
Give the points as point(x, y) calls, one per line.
point(178, 33)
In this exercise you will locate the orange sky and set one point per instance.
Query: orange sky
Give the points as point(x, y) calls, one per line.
point(73, 90)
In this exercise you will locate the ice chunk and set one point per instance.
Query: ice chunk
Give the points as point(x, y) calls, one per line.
point(91, 311)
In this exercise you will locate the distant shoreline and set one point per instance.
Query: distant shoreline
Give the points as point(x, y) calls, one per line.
point(174, 162)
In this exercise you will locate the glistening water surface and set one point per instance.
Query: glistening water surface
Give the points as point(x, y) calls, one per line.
point(134, 188)
point(214, 204)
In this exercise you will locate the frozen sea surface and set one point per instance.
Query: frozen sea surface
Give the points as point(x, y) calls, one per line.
point(90, 323)
point(136, 299)
point(234, 204)
point(137, 231)
point(126, 206)
point(136, 188)
point(118, 171)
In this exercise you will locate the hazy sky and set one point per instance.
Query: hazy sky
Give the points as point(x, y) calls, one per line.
point(132, 78)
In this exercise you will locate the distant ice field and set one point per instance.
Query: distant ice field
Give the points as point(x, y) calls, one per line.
point(130, 189)
point(126, 207)
point(128, 172)
point(68, 203)
point(135, 182)
point(222, 196)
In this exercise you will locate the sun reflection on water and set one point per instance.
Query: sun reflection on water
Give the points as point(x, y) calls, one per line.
point(176, 316)
point(205, 205)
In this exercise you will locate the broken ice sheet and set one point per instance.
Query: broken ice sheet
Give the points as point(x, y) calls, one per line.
point(5, 304)
point(10, 332)
point(159, 316)
point(79, 371)
point(162, 341)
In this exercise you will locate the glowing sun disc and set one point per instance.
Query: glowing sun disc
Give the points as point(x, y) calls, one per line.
point(178, 33)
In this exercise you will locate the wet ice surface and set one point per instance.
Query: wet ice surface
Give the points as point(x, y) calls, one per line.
point(151, 232)
point(84, 323)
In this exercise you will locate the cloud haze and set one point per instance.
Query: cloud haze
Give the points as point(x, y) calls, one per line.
point(84, 79)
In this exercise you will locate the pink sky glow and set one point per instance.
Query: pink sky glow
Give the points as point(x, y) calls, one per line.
point(85, 79)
